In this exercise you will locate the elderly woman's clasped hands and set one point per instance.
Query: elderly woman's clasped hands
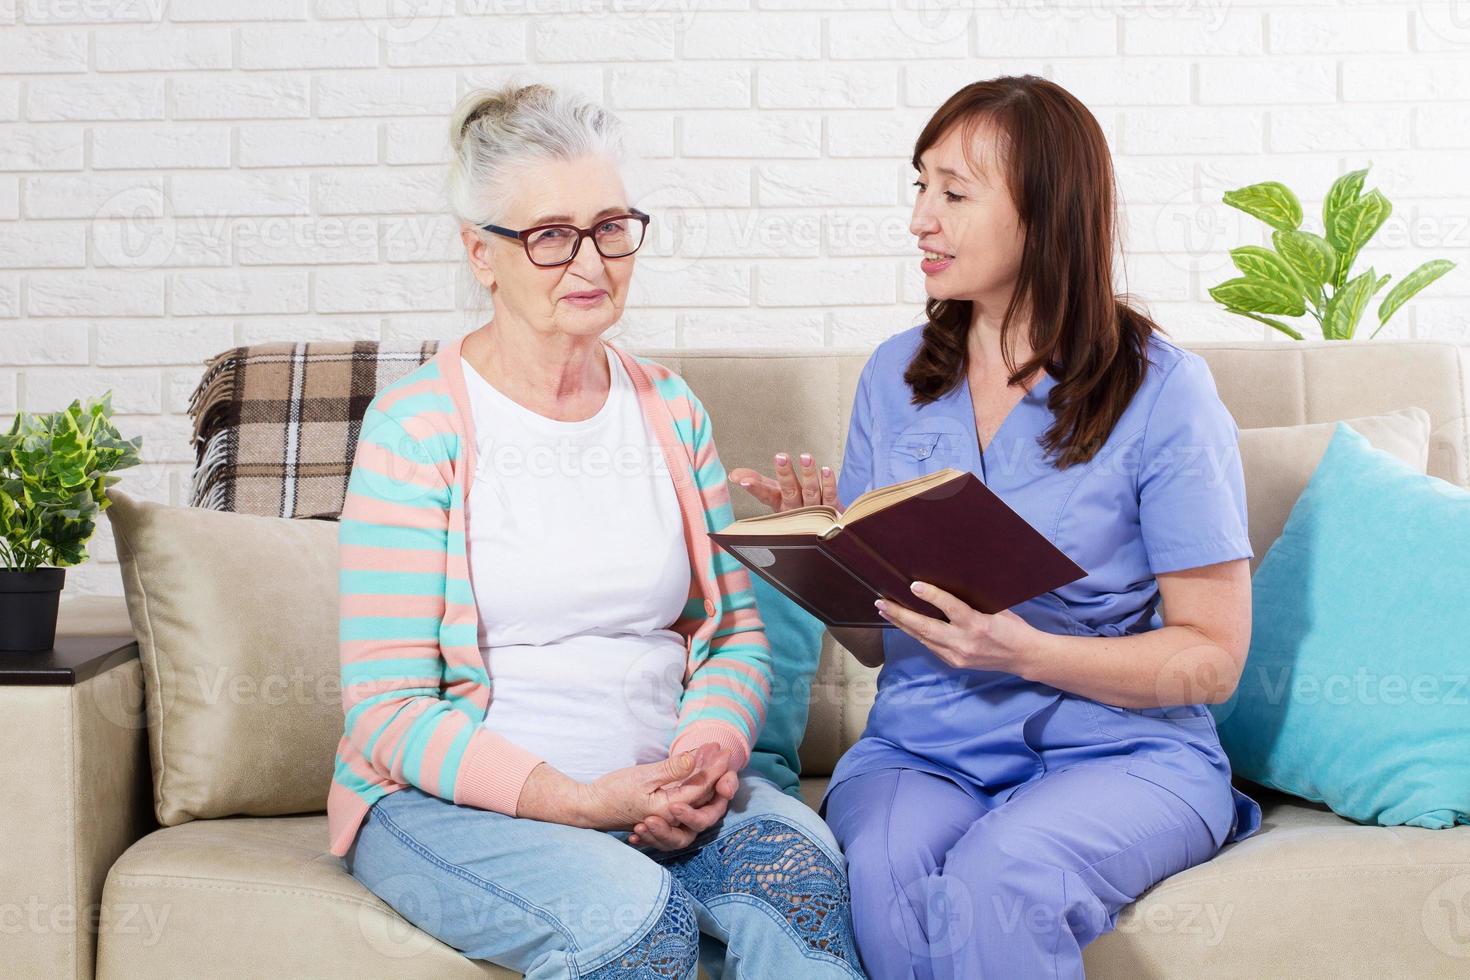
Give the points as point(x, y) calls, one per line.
point(681, 810)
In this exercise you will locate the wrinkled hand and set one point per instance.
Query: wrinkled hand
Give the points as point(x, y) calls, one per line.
point(624, 797)
point(971, 639)
point(794, 486)
point(686, 819)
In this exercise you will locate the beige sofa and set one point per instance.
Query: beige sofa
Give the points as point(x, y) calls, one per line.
point(1309, 895)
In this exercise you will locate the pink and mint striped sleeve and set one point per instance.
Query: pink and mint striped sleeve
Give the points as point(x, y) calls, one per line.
point(411, 714)
point(725, 698)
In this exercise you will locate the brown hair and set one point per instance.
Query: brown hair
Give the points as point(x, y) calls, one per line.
point(1091, 339)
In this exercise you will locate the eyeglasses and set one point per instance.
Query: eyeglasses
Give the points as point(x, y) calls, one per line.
point(551, 245)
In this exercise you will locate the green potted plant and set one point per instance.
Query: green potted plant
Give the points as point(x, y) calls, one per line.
point(54, 475)
point(1306, 273)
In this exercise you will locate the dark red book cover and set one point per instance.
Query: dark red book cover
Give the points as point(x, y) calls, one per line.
point(959, 536)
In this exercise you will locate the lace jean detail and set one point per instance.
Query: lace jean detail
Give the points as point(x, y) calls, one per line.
point(778, 864)
point(670, 947)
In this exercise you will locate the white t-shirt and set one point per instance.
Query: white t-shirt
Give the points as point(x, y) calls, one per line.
point(578, 565)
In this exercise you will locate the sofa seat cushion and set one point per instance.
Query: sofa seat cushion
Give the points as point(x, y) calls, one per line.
point(252, 897)
point(1309, 894)
point(261, 896)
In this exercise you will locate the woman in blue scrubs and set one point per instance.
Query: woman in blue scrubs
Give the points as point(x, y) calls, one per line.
point(1024, 776)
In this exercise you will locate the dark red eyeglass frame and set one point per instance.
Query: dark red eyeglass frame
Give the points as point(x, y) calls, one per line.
point(524, 235)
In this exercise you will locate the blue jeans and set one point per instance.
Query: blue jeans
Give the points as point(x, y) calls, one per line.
point(761, 894)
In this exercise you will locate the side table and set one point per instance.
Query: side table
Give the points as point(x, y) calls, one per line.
point(74, 768)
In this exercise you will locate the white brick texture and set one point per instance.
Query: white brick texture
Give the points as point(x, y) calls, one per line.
point(180, 177)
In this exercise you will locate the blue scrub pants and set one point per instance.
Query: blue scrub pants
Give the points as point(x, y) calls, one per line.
point(945, 885)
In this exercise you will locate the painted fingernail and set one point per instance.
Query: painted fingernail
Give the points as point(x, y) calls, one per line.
point(806, 459)
point(782, 459)
point(826, 471)
point(880, 604)
point(745, 483)
point(917, 588)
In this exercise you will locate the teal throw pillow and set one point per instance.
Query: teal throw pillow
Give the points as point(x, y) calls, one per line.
point(1355, 693)
point(795, 636)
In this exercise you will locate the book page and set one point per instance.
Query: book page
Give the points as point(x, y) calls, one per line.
point(821, 520)
point(816, 519)
point(881, 497)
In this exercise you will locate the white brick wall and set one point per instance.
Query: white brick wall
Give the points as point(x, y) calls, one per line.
point(180, 176)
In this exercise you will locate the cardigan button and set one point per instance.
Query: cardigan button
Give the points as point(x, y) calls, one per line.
point(709, 607)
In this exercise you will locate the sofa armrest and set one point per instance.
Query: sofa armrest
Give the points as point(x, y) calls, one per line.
point(74, 757)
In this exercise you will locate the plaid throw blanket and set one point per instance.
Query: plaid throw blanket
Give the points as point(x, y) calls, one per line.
point(275, 425)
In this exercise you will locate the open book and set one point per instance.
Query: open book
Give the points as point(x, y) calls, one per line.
point(946, 528)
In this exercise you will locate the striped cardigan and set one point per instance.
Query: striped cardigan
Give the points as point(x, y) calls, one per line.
point(414, 685)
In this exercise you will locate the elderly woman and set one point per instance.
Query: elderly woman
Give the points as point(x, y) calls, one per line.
point(552, 682)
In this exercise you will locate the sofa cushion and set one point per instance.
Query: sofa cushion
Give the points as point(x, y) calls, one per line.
point(795, 636)
point(1354, 690)
point(1279, 460)
point(236, 620)
point(252, 897)
point(258, 897)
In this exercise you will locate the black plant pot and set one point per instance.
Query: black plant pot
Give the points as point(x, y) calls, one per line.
point(28, 605)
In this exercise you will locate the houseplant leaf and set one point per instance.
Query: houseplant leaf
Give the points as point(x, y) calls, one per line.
point(1408, 287)
point(1352, 228)
point(1262, 263)
point(1347, 305)
point(1285, 328)
point(1251, 295)
point(1344, 191)
point(1272, 202)
point(1310, 256)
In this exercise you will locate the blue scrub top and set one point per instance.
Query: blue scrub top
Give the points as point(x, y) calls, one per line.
point(1165, 492)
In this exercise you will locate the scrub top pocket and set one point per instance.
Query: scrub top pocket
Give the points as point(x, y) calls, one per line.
point(919, 445)
point(920, 451)
point(916, 447)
